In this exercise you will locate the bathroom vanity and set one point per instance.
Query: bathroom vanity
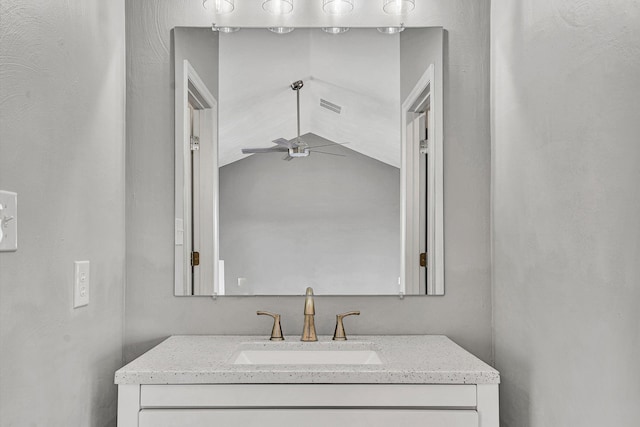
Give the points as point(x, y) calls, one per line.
point(250, 381)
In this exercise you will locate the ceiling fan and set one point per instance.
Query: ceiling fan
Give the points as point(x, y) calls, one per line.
point(296, 147)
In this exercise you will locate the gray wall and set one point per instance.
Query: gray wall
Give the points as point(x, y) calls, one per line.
point(190, 43)
point(62, 148)
point(566, 79)
point(153, 312)
point(329, 222)
point(419, 48)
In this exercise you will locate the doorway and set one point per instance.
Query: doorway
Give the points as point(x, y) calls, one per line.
point(422, 190)
point(196, 189)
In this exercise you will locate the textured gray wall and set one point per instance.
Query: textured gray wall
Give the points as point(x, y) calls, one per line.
point(566, 79)
point(200, 47)
point(419, 48)
point(323, 221)
point(153, 312)
point(62, 148)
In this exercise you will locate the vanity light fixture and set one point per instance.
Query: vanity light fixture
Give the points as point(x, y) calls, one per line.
point(391, 30)
point(337, 7)
point(278, 7)
point(281, 30)
point(220, 6)
point(226, 30)
point(398, 7)
point(335, 30)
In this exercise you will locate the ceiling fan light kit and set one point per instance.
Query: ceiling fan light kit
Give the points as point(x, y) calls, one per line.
point(295, 148)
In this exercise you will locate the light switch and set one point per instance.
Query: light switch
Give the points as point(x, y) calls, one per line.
point(8, 221)
point(81, 284)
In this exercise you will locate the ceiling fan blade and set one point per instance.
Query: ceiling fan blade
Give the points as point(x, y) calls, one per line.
point(329, 145)
point(287, 157)
point(324, 152)
point(284, 143)
point(264, 150)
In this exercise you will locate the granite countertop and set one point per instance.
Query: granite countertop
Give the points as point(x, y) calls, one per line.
point(411, 359)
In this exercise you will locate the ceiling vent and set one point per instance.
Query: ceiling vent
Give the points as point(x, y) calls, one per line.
point(330, 106)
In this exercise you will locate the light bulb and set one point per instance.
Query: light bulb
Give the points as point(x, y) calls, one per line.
point(391, 30)
point(278, 7)
point(337, 7)
point(335, 30)
point(225, 29)
point(220, 6)
point(398, 7)
point(281, 30)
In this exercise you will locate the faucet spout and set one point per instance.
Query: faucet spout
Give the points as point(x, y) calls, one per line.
point(309, 330)
point(309, 306)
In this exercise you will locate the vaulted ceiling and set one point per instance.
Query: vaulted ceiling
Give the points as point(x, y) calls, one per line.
point(358, 71)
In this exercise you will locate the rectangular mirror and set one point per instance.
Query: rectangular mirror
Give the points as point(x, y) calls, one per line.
point(309, 159)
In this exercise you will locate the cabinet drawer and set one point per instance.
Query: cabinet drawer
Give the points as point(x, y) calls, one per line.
point(307, 418)
point(308, 395)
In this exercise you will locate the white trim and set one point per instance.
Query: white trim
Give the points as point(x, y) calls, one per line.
point(187, 79)
point(194, 178)
point(437, 111)
point(488, 405)
point(409, 181)
point(425, 182)
point(128, 405)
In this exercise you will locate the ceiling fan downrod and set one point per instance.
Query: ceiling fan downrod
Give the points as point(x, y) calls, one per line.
point(297, 86)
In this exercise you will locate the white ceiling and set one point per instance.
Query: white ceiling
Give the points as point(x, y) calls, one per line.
point(358, 70)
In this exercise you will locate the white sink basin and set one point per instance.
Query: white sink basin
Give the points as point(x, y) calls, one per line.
point(307, 355)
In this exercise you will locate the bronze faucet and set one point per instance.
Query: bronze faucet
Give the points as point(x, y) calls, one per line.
point(276, 331)
point(339, 334)
point(309, 330)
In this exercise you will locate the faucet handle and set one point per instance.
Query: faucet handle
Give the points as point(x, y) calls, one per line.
point(339, 334)
point(276, 332)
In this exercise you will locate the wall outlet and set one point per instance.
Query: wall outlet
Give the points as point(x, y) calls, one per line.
point(81, 284)
point(8, 221)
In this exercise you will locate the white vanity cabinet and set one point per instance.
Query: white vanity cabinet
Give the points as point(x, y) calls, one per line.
point(160, 390)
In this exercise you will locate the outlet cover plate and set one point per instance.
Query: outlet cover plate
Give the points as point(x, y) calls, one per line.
point(81, 284)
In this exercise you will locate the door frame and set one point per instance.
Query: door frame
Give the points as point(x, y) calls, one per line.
point(188, 86)
point(427, 86)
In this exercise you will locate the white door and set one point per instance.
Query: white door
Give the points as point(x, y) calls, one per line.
point(194, 186)
point(419, 185)
point(423, 190)
point(203, 179)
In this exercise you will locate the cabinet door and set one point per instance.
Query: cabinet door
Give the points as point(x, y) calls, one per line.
point(306, 417)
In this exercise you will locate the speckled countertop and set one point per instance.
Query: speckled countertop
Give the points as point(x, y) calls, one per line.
point(411, 359)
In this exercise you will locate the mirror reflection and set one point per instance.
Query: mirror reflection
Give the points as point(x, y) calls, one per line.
point(311, 189)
